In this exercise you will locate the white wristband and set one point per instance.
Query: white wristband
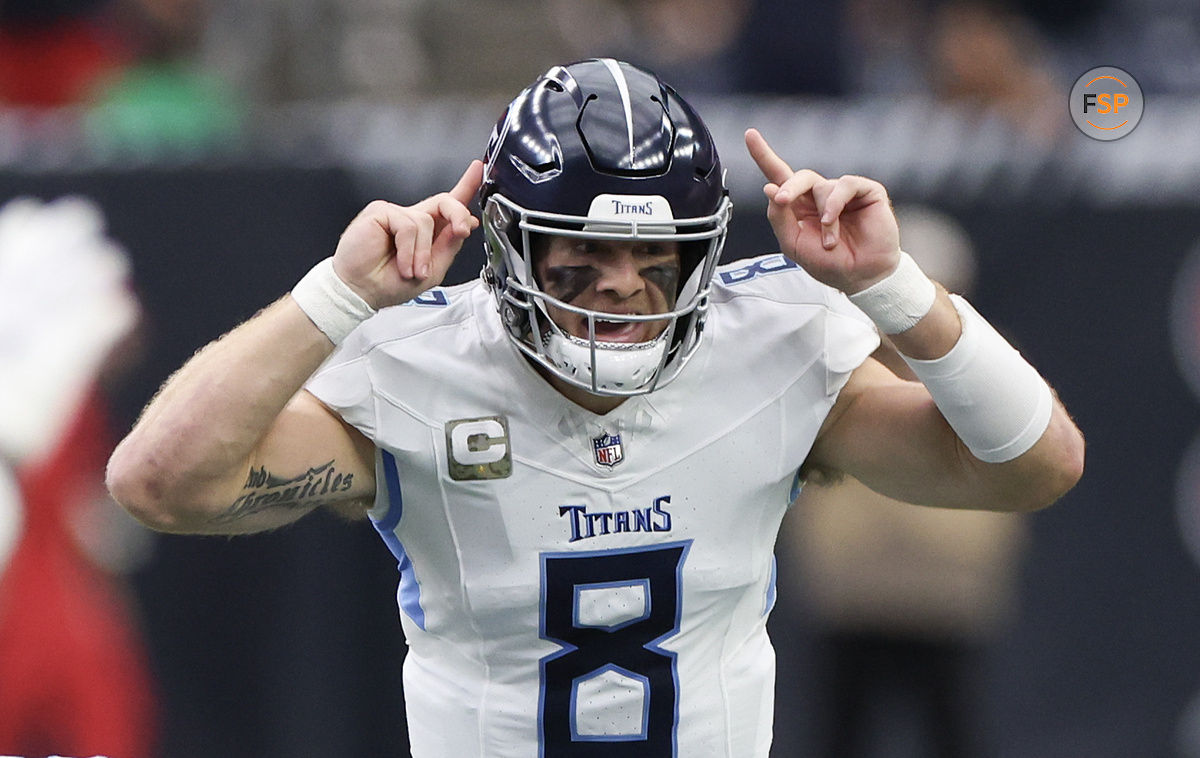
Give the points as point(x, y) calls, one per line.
point(996, 402)
point(329, 302)
point(899, 301)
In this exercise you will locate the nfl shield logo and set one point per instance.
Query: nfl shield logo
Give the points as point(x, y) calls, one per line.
point(608, 450)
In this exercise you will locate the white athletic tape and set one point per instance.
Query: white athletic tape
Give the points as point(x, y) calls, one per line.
point(330, 303)
point(996, 402)
point(899, 301)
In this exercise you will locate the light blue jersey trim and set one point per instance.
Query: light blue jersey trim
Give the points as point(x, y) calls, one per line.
point(797, 487)
point(409, 593)
point(762, 266)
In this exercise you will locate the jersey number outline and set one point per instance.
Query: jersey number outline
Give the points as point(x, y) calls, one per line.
point(629, 649)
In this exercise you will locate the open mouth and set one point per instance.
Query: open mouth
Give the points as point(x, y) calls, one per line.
point(620, 331)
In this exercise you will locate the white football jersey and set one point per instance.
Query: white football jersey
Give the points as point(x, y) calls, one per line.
point(583, 585)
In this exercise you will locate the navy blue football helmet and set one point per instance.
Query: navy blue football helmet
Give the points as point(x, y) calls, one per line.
point(601, 149)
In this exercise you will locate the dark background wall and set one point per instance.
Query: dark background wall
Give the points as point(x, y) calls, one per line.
point(287, 644)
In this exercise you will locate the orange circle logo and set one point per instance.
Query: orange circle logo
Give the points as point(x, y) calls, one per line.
point(1106, 103)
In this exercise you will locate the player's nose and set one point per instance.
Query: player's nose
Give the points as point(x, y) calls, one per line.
point(620, 275)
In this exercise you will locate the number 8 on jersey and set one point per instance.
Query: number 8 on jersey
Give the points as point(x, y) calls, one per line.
point(611, 682)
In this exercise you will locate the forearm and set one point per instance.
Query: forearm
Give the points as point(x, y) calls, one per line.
point(230, 443)
point(1013, 443)
point(188, 455)
point(934, 335)
point(922, 459)
point(1041, 474)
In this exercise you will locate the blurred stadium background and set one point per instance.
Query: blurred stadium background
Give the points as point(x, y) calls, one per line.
point(229, 141)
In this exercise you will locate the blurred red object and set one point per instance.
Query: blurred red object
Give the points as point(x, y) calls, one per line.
point(46, 65)
point(74, 672)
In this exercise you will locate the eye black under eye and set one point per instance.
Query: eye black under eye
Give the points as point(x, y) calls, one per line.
point(664, 276)
point(567, 282)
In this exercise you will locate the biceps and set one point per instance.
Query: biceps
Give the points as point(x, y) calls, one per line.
point(308, 458)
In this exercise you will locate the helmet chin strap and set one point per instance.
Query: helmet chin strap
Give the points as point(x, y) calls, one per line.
point(618, 366)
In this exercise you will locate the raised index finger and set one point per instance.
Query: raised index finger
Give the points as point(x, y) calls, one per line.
point(468, 184)
point(461, 194)
point(774, 168)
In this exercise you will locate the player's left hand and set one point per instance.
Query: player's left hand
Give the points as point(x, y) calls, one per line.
point(842, 231)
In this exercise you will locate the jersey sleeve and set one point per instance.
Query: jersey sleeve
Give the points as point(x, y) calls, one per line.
point(792, 299)
point(850, 338)
point(343, 383)
point(803, 338)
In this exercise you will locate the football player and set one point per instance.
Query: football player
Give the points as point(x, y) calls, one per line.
point(581, 460)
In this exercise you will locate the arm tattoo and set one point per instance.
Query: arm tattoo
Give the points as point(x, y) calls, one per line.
point(264, 490)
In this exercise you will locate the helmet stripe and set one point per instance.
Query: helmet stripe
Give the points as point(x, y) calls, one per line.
point(618, 76)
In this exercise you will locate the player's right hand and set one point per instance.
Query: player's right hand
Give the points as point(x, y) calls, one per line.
point(842, 231)
point(389, 254)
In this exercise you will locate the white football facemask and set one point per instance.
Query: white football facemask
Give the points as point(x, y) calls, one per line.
point(607, 368)
point(603, 368)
